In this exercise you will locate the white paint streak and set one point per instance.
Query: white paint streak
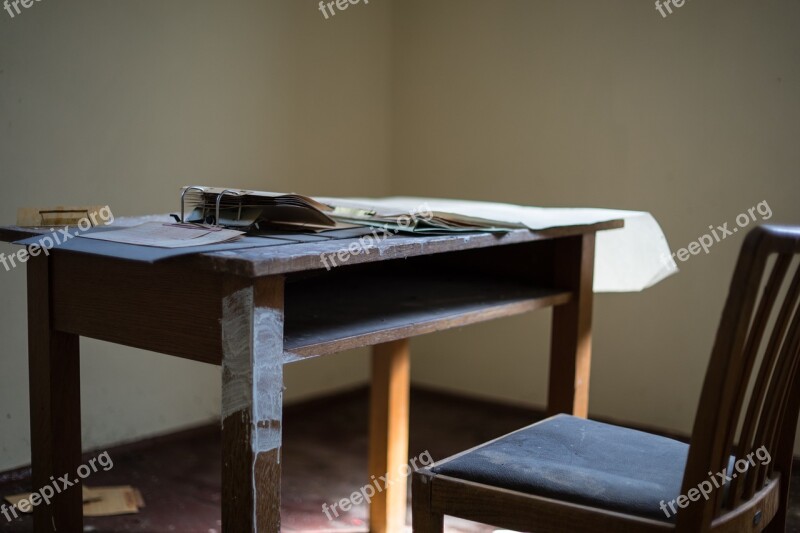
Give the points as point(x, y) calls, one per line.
point(267, 387)
point(237, 368)
point(252, 366)
point(268, 378)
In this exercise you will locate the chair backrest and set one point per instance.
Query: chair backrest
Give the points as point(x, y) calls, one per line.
point(751, 395)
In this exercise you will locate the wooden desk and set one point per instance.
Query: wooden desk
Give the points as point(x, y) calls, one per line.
point(253, 311)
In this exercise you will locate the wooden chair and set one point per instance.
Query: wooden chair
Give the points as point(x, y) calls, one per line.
point(570, 474)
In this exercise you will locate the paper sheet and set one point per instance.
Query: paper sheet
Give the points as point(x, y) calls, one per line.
point(629, 259)
point(112, 501)
point(423, 221)
point(97, 501)
point(166, 235)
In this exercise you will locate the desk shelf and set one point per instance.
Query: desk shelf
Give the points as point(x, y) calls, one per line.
point(325, 316)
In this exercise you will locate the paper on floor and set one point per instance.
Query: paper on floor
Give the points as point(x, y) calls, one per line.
point(97, 501)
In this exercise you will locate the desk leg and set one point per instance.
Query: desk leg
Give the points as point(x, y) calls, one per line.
point(571, 337)
point(252, 405)
point(388, 439)
point(55, 398)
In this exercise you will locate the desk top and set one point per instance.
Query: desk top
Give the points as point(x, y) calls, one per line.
point(294, 253)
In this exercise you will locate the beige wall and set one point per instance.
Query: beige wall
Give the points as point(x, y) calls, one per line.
point(694, 118)
point(124, 102)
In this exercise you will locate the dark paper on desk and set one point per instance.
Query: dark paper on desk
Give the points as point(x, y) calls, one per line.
point(151, 254)
point(167, 235)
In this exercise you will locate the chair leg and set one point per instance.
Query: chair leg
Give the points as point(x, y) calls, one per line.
point(423, 519)
point(778, 524)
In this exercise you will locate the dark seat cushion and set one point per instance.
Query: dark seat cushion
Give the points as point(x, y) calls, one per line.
point(581, 461)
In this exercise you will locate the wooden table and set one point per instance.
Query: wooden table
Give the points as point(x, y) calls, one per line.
point(253, 311)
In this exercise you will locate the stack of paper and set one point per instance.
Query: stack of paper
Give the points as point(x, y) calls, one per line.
point(628, 259)
point(418, 218)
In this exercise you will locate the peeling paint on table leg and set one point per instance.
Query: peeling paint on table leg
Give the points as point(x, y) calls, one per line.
point(252, 410)
point(237, 367)
point(268, 378)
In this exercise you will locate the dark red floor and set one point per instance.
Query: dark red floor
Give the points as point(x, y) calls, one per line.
point(325, 450)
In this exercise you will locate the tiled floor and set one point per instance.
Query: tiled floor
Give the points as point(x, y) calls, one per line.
point(325, 448)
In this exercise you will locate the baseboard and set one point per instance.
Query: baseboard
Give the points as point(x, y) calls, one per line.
point(296, 409)
point(539, 410)
point(199, 431)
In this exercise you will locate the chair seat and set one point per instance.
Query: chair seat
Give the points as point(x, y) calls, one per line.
point(580, 461)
